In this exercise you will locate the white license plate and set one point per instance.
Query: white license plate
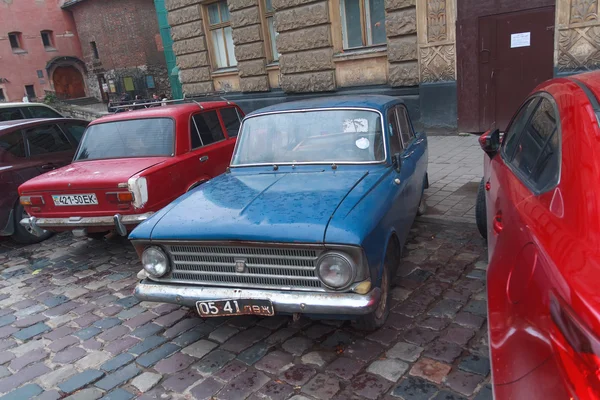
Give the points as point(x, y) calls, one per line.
point(75, 199)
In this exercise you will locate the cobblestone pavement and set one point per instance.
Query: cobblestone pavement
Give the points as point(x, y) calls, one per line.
point(69, 327)
point(455, 170)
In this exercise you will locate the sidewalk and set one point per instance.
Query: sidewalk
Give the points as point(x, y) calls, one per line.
point(455, 170)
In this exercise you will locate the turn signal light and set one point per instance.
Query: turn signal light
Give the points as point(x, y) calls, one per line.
point(119, 197)
point(32, 200)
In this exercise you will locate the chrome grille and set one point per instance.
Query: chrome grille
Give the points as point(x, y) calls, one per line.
point(266, 267)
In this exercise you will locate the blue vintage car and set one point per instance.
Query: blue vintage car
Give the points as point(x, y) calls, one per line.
point(310, 217)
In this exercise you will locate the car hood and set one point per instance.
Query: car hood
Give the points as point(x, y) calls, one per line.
point(95, 174)
point(282, 207)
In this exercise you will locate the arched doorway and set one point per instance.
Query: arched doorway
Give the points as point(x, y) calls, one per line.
point(68, 83)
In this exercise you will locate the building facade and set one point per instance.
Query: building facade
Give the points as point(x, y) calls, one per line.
point(39, 51)
point(122, 47)
point(267, 51)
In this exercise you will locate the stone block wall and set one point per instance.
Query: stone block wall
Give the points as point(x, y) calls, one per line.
point(185, 18)
point(578, 36)
point(249, 46)
point(401, 31)
point(305, 45)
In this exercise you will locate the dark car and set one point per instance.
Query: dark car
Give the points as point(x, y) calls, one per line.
point(28, 148)
point(12, 111)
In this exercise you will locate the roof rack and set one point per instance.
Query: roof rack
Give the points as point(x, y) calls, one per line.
point(186, 99)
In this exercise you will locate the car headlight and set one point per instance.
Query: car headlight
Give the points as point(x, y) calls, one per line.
point(335, 270)
point(155, 262)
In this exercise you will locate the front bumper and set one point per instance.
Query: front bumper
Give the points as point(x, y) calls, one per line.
point(117, 222)
point(283, 301)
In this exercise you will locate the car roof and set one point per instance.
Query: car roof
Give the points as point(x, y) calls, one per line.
point(7, 105)
point(169, 111)
point(376, 102)
point(5, 125)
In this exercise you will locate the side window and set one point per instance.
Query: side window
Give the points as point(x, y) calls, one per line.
point(76, 130)
point(43, 112)
point(516, 127)
point(394, 132)
point(10, 114)
point(209, 128)
point(12, 145)
point(231, 119)
point(537, 153)
point(405, 127)
point(47, 139)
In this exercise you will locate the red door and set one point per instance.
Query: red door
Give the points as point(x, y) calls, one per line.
point(68, 83)
point(516, 53)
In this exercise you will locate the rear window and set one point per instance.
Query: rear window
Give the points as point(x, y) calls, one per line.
point(125, 139)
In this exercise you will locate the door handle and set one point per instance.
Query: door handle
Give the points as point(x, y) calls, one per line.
point(48, 166)
point(498, 223)
point(204, 159)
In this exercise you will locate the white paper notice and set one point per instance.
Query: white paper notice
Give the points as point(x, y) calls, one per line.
point(520, 40)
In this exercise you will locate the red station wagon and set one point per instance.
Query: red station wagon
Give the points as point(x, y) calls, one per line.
point(130, 165)
point(541, 193)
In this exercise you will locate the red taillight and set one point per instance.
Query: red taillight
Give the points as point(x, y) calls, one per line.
point(119, 197)
point(579, 352)
point(32, 200)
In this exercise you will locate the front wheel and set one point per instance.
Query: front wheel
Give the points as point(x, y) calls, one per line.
point(25, 235)
point(480, 210)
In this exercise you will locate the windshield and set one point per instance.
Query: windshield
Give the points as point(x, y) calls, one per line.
point(124, 139)
point(326, 136)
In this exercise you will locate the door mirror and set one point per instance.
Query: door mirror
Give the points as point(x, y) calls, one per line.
point(397, 162)
point(490, 142)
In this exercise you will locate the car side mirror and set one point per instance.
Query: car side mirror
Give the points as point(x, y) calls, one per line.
point(490, 142)
point(397, 162)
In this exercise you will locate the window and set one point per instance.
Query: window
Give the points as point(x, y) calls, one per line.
point(128, 83)
point(10, 114)
point(148, 137)
point(30, 91)
point(15, 40)
point(537, 150)
point(221, 37)
point(269, 13)
point(394, 132)
point(43, 112)
point(516, 127)
point(150, 82)
point(47, 139)
point(405, 128)
point(11, 145)
point(231, 120)
point(95, 50)
point(363, 23)
point(76, 130)
point(47, 40)
point(206, 129)
point(40, 74)
point(2, 98)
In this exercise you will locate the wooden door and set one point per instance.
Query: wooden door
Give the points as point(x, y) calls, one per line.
point(516, 53)
point(68, 83)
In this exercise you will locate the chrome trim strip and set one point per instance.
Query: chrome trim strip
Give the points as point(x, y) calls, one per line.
point(283, 302)
point(384, 130)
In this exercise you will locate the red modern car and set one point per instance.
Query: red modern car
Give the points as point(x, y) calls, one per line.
point(542, 200)
point(28, 148)
point(130, 165)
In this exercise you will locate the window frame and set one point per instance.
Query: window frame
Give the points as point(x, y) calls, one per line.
point(192, 121)
point(210, 28)
point(393, 111)
point(94, 47)
point(48, 33)
point(240, 119)
point(365, 27)
point(411, 132)
point(18, 37)
point(270, 42)
point(32, 90)
point(508, 159)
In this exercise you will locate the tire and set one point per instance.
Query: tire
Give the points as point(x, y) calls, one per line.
point(97, 235)
point(422, 206)
point(376, 319)
point(25, 235)
point(480, 210)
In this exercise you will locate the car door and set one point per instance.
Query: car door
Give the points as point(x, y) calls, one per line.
point(49, 147)
point(413, 158)
point(527, 167)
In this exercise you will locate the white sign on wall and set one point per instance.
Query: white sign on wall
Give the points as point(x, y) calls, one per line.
point(520, 40)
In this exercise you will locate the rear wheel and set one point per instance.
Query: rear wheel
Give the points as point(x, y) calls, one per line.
point(480, 210)
point(377, 318)
point(25, 235)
